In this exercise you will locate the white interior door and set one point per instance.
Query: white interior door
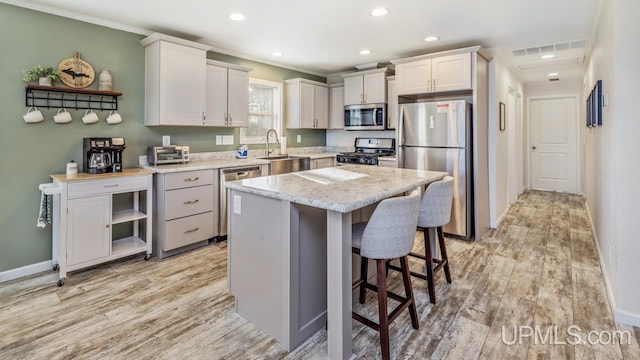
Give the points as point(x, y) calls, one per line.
point(554, 134)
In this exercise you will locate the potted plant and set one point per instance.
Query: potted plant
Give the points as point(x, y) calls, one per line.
point(44, 75)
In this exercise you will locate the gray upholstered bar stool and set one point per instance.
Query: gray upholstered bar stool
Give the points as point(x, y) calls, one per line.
point(389, 234)
point(435, 212)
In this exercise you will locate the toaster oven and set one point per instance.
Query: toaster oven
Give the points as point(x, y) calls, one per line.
point(172, 154)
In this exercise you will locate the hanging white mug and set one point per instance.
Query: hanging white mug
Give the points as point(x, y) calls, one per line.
point(90, 117)
point(114, 117)
point(33, 115)
point(62, 117)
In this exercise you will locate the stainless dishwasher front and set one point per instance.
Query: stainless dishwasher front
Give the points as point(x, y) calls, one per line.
point(231, 174)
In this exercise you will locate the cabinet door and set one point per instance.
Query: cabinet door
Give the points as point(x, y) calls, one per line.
point(323, 163)
point(307, 111)
point(336, 108)
point(353, 90)
point(88, 229)
point(375, 88)
point(238, 98)
point(216, 96)
point(392, 105)
point(451, 72)
point(182, 84)
point(322, 107)
point(414, 77)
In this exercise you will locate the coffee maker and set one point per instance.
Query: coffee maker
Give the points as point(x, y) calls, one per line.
point(102, 155)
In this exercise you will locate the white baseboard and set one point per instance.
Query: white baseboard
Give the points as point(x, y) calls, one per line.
point(500, 218)
point(25, 271)
point(628, 318)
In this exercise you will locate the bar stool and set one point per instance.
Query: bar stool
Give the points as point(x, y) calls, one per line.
point(389, 234)
point(435, 212)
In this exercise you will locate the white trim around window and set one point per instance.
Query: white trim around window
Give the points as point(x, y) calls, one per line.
point(258, 111)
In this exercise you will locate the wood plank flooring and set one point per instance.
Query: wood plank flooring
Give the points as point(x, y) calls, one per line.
point(538, 269)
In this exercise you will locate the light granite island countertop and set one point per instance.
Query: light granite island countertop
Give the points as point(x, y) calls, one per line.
point(289, 247)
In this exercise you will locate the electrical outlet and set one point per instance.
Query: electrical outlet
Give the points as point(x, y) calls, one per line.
point(218, 139)
point(299, 138)
point(166, 140)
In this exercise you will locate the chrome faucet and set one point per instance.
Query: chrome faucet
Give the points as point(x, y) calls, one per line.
point(268, 151)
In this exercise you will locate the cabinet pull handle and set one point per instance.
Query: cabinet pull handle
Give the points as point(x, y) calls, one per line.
point(428, 85)
point(111, 186)
point(189, 202)
point(434, 84)
point(196, 178)
point(230, 119)
point(243, 174)
point(192, 230)
point(204, 118)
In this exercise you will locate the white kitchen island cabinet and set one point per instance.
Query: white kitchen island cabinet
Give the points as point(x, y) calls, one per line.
point(86, 210)
point(298, 226)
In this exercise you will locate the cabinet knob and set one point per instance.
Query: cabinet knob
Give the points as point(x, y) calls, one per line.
point(107, 226)
point(533, 147)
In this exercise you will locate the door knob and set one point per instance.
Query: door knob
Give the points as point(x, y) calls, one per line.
point(533, 147)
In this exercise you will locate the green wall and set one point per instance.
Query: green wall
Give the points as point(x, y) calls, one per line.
point(30, 152)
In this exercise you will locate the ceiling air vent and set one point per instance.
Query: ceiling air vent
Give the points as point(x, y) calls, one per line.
point(537, 50)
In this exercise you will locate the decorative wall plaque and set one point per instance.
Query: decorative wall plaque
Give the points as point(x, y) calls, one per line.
point(75, 72)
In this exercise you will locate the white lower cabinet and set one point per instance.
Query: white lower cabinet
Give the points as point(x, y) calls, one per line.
point(86, 210)
point(186, 211)
point(88, 229)
point(323, 163)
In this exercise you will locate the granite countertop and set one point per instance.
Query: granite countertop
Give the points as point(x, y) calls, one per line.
point(205, 164)
point(341, 189)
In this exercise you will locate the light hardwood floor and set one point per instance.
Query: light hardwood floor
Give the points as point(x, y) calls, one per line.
point(539, 268)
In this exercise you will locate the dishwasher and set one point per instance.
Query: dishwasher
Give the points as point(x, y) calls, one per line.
point(231, 174)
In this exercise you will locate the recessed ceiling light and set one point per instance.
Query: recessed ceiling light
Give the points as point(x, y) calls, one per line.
point(548, 56)
point(365, 52)
point(431, 38)
point(276, 53)
point(553, 74)
point(379, 12)
point(236, 17)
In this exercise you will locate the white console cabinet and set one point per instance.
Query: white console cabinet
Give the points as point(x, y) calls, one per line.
point(86, 210)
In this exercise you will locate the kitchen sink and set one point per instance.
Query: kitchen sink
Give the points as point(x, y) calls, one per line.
point(283, 164)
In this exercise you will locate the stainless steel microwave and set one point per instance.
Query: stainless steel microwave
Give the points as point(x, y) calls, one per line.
point(365, 117)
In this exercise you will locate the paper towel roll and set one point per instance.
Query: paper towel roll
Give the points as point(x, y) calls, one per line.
point(283, 145)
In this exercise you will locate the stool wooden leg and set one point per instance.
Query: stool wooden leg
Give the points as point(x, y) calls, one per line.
point(408, 290)
point(443, 253)
point(382, 308)
point(364, 265)
point(429, 265)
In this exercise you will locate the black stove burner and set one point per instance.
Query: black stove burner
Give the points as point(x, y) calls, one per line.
point(361, 157)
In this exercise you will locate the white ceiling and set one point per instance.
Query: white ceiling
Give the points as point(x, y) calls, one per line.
point(325, 37)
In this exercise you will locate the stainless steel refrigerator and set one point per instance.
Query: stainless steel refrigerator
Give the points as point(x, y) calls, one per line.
point(437, 136)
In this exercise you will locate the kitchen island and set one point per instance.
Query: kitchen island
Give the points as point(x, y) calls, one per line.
point(289, 247)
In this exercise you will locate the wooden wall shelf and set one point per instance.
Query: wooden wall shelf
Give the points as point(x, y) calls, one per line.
point(70, 98)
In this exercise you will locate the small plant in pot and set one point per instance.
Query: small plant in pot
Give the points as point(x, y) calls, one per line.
point(44, 75)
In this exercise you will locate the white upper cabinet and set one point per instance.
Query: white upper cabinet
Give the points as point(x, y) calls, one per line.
point(436, 74)
point(175, 81)
point(307, 104)
point(336, 106)
point(366, 87)
point(451, 72)
point(227, 95)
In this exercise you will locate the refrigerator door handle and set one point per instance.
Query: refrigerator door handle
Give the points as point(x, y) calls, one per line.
point(400, 141)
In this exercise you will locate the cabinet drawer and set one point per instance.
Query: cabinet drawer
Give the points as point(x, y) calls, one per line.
point(108, 186)
point(189, 230)
point(188, 179)
point(184, 202)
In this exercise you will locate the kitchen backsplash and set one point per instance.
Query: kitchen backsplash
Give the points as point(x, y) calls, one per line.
point(254, 153)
